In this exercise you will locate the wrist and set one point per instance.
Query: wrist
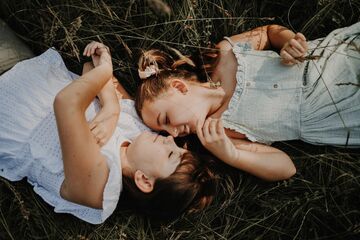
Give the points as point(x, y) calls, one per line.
point(111, 108)
point(279, 36)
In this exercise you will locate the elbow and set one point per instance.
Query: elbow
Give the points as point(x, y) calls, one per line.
point(292, 171)
point(288, 169)
point(65, 101)
point(72, 193)
point(288, 173)
point(282, 174)
point(59, 102)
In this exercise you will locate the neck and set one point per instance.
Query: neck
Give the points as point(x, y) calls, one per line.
point(123, 155)
point(213, 97)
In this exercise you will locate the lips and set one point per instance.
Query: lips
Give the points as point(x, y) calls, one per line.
point(156, 137)
point(185, 130)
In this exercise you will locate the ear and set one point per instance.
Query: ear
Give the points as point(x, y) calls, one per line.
point(144, 183)
point(180, 85)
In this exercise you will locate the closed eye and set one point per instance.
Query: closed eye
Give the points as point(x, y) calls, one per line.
point(171, 154)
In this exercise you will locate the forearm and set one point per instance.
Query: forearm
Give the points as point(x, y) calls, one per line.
point(262, 38)
point(279, 35)
point(270, 166)
point(82, 91)
point(107, 95)
point(263, 161)
point(108, 98)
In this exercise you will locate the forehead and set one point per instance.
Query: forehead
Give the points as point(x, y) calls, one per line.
point(151, 112)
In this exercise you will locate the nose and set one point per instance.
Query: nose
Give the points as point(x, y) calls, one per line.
point(169, 139)
point(173, 131)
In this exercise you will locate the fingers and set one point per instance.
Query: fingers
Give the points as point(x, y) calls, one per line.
point(211, 131)
point(100, 136)
point(92, 125)
point(98, 133)
point(212, 127)
point(89, 49)
point(296, 47)
point(294, 50)
point(199, 132)
point(92, 47)
point(100, 141)
point(286, 58)
point(300, 36)
point(302, 40)
point(205, 129)
point(219, 127)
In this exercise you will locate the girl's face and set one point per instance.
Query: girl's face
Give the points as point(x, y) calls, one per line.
point(176, 111)
point(155, 155)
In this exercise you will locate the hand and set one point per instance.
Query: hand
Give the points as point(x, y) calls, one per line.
point(212, 136)
point(103, 125)
point(294, 50)
point(96, 50)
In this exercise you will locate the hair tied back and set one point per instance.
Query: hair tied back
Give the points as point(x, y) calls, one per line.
point(149, 71)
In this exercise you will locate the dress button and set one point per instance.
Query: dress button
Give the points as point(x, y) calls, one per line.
point(275, 85)
point(248, 84)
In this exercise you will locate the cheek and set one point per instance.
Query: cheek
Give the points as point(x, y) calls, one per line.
point(182, 116)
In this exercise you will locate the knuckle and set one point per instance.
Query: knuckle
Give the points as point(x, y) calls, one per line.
point(293, 41)
point(282, 53)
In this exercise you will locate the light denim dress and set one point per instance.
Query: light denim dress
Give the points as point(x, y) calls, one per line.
point(317, 101)
point(29, 142)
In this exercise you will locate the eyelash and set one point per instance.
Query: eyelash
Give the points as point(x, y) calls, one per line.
point(166, 119)
point(170, 154)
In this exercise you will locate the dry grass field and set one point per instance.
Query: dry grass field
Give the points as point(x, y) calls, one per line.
point(322, 201)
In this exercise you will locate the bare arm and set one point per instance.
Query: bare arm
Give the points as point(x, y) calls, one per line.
point(291, 46)
point(121, 93)
point(85, 168)
point(263, 161)
point(104, 123)
point(262, 38)
point(107, 95)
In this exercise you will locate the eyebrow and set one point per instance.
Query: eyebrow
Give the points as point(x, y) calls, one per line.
point(158, 120)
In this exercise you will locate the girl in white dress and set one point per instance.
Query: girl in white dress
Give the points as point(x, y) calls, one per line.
point(52, 132)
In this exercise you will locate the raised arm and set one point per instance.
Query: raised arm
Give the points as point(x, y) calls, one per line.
point(263, 161)
point(292, 46)
point(85, 168)
point(104, 123)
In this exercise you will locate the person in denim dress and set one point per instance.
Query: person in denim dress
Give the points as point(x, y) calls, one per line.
point(309, 91)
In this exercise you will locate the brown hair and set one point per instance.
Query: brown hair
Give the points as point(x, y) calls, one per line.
point(193, 69)
point(191, 187)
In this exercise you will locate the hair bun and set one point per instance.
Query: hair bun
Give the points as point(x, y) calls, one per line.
point(152, 62)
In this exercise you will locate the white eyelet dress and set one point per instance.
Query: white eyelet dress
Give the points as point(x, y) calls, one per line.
point(29, 142)
point(317, 101)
